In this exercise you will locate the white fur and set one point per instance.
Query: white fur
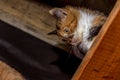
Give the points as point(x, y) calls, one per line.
point(82, 30)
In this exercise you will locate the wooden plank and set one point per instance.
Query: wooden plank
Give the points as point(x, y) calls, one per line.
point(102, 62)
point(33, 17)
point(30, 17)
point(8, 73)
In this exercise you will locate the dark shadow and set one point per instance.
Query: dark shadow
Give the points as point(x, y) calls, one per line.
point(68, 63)
point(34, 58)
point(104, 6)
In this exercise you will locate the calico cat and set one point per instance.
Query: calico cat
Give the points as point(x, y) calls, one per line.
point(78, 27)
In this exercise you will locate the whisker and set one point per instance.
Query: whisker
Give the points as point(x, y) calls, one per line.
point(77, 52)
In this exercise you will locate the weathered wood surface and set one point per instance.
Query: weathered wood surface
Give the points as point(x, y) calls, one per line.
point(102, 62)
point(30, 17)
point(33, 17)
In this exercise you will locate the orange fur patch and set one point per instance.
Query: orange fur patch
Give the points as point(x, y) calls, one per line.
point(99, 20)
point(83, 24)
point(72, 18)
point(70, 22)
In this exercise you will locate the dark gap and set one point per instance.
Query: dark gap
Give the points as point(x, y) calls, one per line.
point(34, 58)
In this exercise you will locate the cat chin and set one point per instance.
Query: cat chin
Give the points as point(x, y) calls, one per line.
point(76, 40)
point(75, 43)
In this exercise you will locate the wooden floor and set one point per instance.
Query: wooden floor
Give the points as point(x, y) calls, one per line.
point(31, 17)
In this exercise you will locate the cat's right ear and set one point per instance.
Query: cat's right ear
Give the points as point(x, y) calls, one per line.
point(59, 13)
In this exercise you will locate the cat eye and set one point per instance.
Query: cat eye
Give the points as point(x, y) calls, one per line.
point(66, 30)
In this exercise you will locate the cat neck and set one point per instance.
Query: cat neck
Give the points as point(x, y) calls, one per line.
point(82, 31)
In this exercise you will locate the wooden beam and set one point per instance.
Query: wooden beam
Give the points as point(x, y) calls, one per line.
point(102, 62)
point(31, 17)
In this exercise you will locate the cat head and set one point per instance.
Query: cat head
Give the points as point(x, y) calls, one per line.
point(67, 19)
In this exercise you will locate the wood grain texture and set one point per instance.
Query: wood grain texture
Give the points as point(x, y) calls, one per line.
point(8, 73)
point(33, 17)
point(30, 17)
point(102, 62)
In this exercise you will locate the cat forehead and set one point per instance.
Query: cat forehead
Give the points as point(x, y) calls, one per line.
point(72, 18)
point(68, 23)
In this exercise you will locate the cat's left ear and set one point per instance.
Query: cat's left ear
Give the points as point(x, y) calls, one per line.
point(59, 13)
point(53, 32)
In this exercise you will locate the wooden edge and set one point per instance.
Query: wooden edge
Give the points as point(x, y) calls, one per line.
point(100, 36)
point(24, 22)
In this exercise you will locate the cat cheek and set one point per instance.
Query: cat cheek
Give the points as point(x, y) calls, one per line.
point(59, 34)
point(65, 35)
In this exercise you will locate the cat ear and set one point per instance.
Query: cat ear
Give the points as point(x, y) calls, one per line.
point(53, 32)
point(59, 13)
